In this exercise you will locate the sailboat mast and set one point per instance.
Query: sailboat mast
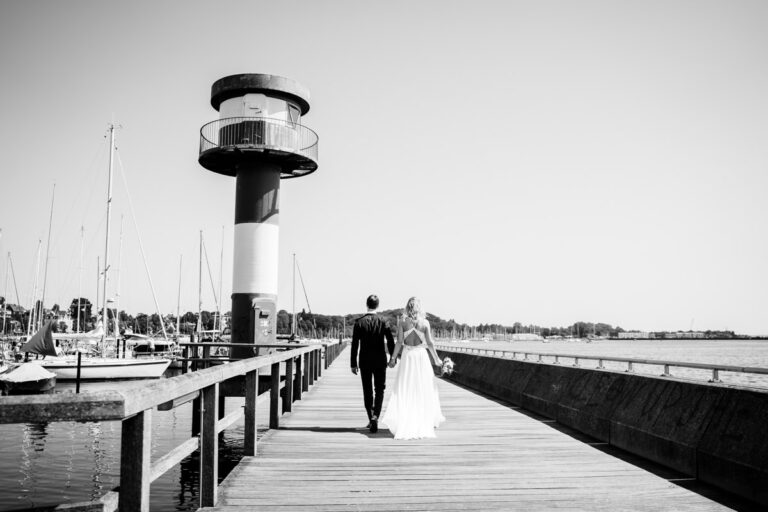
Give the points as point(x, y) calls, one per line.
point(109, 217)
point(221, 278)
point(5, 292)
point(98, 283)
point(178, 301)
point(200, 288)
point(293, 298)
point(47, 254)
point(119, 274)
point(80, 279)
point(30, 320)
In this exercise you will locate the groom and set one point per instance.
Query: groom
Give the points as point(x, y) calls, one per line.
point(368, 335)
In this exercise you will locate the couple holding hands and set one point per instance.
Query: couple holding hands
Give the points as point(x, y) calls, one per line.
point(413, 410)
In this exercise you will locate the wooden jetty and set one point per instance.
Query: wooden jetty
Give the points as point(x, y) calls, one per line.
point(487, 456)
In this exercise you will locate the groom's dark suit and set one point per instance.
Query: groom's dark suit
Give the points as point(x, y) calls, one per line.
point(368, 337)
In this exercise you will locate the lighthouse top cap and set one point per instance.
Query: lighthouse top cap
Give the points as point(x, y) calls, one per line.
point(249, 83)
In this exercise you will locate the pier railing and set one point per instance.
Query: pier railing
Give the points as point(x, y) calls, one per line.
point(303, 365)
point(544, 357)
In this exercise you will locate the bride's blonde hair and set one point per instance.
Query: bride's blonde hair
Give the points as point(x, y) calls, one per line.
point(413, 311)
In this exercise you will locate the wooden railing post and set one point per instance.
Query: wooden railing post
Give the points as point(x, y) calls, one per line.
point(305, 375)
point(299, 382)
point(209, 447)
point(251, 426)
point(274, 396)
point(312, 363)
point(135, 472)
point(288, 391)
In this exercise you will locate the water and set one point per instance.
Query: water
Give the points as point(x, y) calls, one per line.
point(45, 464)
point(752, 353)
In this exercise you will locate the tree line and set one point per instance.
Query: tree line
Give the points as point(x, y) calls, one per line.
point(308, 324)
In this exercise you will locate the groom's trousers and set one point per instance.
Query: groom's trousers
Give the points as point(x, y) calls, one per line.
point(374, 382)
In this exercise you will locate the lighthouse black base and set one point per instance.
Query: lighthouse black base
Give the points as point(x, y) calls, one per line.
point(254, 321)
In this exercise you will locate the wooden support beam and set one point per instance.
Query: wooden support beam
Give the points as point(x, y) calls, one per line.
point(298, 383)
point(288, 391)
point(172, 458)
point(251, 396)
point(135, 467)
point(172, 404)
point(305, 375)
point(209, 447)
point(274, 397)
point(229, 420)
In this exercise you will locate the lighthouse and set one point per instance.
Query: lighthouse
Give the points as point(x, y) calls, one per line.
point(259, 140)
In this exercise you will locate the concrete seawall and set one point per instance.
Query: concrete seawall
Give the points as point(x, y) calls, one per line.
point(716, 434)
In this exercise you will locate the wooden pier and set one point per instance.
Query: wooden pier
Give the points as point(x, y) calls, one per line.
point(487, 456)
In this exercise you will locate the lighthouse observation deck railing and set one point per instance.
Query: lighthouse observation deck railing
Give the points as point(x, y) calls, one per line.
point(544, 357)
point(260, 133)
point(303, 365)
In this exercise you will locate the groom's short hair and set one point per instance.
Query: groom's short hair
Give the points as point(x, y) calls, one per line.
point(372, 302)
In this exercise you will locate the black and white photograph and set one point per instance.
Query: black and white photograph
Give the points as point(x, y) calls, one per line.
point(425, 255)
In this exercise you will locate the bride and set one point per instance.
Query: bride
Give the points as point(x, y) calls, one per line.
point(413, 410)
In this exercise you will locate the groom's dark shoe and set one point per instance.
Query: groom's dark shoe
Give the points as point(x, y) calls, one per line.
point(374, 425)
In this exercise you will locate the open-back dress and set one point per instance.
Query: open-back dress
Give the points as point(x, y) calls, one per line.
point(413, 410)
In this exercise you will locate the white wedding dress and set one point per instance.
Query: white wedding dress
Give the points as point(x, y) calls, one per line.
point(413, 410)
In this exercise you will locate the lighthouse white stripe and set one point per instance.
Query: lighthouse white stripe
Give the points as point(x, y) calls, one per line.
point(256, 258)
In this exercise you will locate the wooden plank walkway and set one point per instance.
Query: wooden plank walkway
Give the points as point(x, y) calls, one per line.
point(487, 456)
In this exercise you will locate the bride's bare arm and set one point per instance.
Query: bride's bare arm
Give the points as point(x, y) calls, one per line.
point(398, 345)
point(431, 346)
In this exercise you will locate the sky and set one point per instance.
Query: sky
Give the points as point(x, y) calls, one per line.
point(545, 162)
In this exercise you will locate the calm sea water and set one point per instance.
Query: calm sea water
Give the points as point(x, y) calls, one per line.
point(50, 463)
point(44, 464)
point(743, 353)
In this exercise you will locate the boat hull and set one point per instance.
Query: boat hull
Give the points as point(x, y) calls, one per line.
point(28, 387)
point(107, 369)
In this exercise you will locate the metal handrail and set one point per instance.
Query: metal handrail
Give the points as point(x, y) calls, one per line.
point(259, 133)
point(714, 368)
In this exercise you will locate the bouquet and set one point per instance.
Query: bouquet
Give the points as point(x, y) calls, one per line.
point(447, 368)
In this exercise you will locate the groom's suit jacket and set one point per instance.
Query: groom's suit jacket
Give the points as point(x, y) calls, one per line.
point(368, 337)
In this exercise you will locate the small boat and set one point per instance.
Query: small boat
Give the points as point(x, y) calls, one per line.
point(26, 378)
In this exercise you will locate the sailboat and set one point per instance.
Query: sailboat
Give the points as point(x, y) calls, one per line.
point(102, 368)
point(91, 368)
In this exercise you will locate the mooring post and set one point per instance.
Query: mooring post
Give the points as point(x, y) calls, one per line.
point(305, 375)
